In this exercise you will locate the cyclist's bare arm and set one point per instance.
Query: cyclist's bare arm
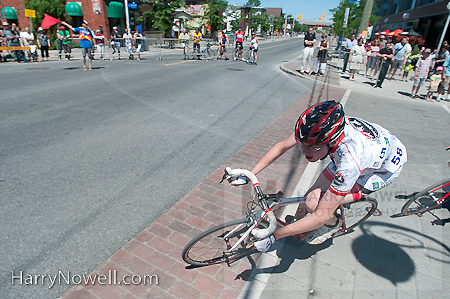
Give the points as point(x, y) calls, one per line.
point(325, 210)
point(275, 152)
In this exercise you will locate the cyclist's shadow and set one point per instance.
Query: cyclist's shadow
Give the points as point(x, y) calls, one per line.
point(290, 251)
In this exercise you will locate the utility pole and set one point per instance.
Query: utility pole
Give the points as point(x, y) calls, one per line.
point(365, 16)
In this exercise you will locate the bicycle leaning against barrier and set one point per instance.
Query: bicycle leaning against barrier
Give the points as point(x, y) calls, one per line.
point(365, 158)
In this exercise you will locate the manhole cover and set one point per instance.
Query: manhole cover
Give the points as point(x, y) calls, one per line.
point(235, 70)
point(37, 68)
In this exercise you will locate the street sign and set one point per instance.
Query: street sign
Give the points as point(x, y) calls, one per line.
point(347, 12)
point(132, 5)
point(30, 13)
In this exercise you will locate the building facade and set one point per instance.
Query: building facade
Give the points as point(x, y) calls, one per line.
point(426, 17)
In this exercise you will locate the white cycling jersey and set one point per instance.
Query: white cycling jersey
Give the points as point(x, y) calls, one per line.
point(365, 150)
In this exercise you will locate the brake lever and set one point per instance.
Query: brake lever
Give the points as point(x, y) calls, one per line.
point(225, 176)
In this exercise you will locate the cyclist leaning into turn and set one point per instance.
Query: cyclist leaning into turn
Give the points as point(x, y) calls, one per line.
point(239, 40)
point(365, 157)
point(223, 41)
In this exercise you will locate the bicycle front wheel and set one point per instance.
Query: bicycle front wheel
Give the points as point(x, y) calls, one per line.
point(428, 199)
point(210, 54)
point(249, 58)
point(210, 247)
point(355, 213)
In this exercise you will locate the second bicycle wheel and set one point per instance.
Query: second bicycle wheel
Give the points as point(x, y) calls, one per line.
point(249, 57)
point(427, 199)
point(356, 212)
point(209, 247)
point(210, 54)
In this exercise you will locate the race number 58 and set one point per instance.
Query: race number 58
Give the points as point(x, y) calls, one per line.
point(396, 159)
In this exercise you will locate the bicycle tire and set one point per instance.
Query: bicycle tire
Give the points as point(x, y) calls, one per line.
point(249, 57)
point(423, 201)
point(211, 54)
point(357, 212)
point(208, 247)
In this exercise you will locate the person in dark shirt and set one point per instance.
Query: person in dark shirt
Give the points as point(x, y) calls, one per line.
point(308, 51)
point(386, 55)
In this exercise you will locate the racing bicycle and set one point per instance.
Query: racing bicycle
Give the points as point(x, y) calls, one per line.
point(250, 56)
point(207, 53)
point(237, 54)
point(232, 240)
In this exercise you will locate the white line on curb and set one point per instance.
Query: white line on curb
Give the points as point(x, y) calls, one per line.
point(259, 276)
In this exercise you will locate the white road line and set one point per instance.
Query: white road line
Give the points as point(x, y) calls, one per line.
point(446, 108)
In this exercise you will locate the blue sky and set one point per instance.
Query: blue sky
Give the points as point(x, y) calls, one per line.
point(311, 10)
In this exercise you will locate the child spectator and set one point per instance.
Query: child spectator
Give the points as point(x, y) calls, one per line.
point(434, 83)
point(422, 67)
point(408, 67)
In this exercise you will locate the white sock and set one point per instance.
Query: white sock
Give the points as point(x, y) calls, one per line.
point(438, 97)
point(448, 96)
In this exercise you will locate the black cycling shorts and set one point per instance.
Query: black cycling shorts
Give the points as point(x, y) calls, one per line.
point(239, 45)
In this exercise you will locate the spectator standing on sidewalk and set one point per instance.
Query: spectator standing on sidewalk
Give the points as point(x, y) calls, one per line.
point(445, 80)
point(86, 37)
point(308, 51)
point(64, 36)
point(347, 47)
point(358, 57)
point(386, 54)
point(401, 51)
point(100, 42)
point(138, 42)
point(128, 45)
point(43, 43)
point(115, 42)
point(184, 37)
point(13, 39)
point(27, 39)
point(322, 56)
point(372, 62)
point(408, 68)
point(443, 54)
point(423, 66)
point(435, 80)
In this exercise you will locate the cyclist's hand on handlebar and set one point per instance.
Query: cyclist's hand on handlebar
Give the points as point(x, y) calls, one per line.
point(264, 244)
point(237, 181)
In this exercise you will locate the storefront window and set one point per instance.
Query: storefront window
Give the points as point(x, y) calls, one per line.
point(425, 2)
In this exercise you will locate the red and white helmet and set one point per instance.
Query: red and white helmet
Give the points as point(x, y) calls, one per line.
point(320, 124)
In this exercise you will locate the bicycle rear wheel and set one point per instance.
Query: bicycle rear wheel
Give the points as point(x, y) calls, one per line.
point(209, 247)
point(355, 213)
point(427, 199)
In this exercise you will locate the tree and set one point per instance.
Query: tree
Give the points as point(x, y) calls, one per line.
point(300, 27)
point(54, 8)
point(262, 21)
point(354, 17)
point(252, 16)
point(278, 23)
point(162, 14)
point(236, 15)
point(214, 14)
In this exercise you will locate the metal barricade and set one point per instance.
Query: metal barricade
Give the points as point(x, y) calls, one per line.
point(336, 60)
point(129, 48)
point(172, 46)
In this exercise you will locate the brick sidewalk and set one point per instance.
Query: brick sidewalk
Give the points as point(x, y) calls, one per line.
point(157, 249)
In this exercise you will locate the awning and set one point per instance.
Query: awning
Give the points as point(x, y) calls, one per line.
point(74, 9)
point(115, 10)
point(9, 13)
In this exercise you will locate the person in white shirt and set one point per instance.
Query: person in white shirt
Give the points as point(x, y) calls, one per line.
point(254, 46)
point(128, 45)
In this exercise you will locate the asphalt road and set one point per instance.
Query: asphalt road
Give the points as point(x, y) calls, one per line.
point(89, 159)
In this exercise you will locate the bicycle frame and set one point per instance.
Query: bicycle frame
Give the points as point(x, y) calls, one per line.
point(255, 218)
